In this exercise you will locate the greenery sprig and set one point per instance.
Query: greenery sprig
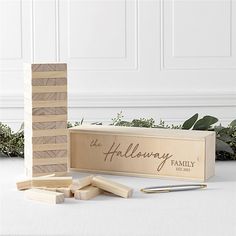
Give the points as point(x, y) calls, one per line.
point(12, 143)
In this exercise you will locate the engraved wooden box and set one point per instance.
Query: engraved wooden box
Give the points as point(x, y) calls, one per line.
point(143, 151)
point(45, 120)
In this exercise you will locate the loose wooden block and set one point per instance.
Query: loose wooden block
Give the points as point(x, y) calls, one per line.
point(143, 152)
point(52, 182)
point(44, 196)
point(67, 192)
point(87, 193)
point(80, 183)
point(23, 185)
point(45, 118)
point(112, 187)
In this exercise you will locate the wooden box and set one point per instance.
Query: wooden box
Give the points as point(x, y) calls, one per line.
point(143, 151)
point(45, 124)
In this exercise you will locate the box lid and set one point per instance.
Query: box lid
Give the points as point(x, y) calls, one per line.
point(150, 132)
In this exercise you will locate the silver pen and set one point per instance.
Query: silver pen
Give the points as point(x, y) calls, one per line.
point(173, 188)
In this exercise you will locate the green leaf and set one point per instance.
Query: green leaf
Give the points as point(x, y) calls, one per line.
point(222, 146)
point(233, 123)
point(205, 123)
point(188, 124)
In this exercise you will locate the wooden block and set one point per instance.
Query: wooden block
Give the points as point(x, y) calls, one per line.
point(23, 185)
point(48, 118)
point(59, 103)
point(57, 174)
point(112, 186)
point(49, 111)
point(49, 67)
point(49, 81)
point(172, 153)
point(48, 74)
point(52, 182)
point(87, 193)
point(50, 125)
point(80, 183)
point(49, 89)
point(50, 139)
point(66, 191)
point(44, 196)
point(45, 147)
point(49, 96)
point(43, 169)
point(50, 154)
point(49, 132)
point(49, 161)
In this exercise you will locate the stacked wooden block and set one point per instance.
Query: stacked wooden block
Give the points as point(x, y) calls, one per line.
point(45, 119)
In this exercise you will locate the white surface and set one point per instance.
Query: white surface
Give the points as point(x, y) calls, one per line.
point(150, 58)
point(196, 213)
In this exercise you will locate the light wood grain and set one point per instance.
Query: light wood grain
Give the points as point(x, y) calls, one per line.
point(52, 182)
point(49, 125)
point(49, 74)
point(49, 89)
point(44, 196)
point(87, 193)
point(49, 81)
point(49, 161)
point(50, 111)
point(57, 173)
point(47, 118)
point(49, 96)
point(25, 184)
point(49, 139)
point(143, 152)
point(49, 132)
point(50, 153)
point(112, 186)
point(80, 183)
point(49, 67)
point(43, 169)
point(66, 191)
point(49, 103)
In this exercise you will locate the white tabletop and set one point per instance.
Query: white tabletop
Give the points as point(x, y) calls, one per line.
point(199, 212)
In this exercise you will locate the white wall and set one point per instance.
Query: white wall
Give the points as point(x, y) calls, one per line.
point(150, 58)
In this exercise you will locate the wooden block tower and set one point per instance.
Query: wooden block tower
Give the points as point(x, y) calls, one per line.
point(45, 119)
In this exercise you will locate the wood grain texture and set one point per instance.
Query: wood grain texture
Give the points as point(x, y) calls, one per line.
point(49, 132)
point(49, 111)
point(49, 161)
point(112, 187)
point(49, 74)
point(49, 140)
point(46, 147)
point(49, 67)
point(44, 196)
point(168, 153)
point(54, 103)
point(49, 89)
point(49, 168)
point(49, 96)
point(50, 154)
point(49, 125)
point(80, 183)
point(23, 185)
point(87, 193)
point(45, 118)
point(49, 81)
